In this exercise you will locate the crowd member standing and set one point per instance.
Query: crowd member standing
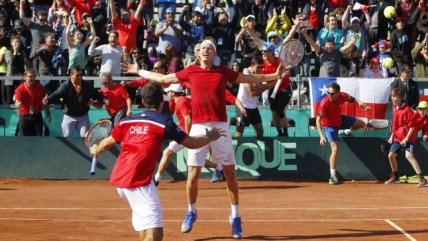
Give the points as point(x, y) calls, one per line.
point(76, 45)
point(330, 57)
point(111, 54)
point(17, 61)
point(127, 25)
point(403, 136)
point(224, 32)
point(401, 44)
point(331, 33)
point(28, 101)
point(116, 98)
point(408, 87)
point(132, 173)
point(49, 57)
point(330, 119)
point(196, 30)
point(37, 29)
point(249, 46)
point(78, 95)
point(356, 28)
point(209, 111)
point(169, 32)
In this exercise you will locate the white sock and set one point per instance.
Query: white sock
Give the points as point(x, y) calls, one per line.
point(219, 167)
point(158, 177)
point(333, 172)
point(235, 210)
point(192, 207)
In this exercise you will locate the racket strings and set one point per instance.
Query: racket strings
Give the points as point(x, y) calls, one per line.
point(291, 53)
point(98, 133)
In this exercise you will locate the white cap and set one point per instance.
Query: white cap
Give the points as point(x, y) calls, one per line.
point(355, 19)
point(174, 87)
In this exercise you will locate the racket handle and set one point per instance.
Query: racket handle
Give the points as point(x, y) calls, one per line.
point(275, 90)
point(94, 165)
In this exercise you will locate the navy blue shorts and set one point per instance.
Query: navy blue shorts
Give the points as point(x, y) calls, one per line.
point(396, 147)
point(332, 133)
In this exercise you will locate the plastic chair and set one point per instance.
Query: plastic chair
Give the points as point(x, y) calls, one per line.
point(3, 123)
point(312, 122)
point(378, 124)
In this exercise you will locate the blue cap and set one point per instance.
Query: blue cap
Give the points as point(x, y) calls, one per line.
point(169, 10)
point(270, 47)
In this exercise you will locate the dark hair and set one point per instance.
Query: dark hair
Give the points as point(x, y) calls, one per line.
point(75, 68)
point(397, 92)
point(151, 95)
point(257, 59)
point(335, 86)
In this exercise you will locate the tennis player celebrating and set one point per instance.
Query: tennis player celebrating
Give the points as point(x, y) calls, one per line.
point(332, 121)
point(141, 138)
point(207, 84)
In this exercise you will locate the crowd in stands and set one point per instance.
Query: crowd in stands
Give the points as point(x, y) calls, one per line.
point(360, 38)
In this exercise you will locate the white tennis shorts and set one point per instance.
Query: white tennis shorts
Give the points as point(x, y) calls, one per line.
point(221, 149)
point(175, 147)
point(145, 205)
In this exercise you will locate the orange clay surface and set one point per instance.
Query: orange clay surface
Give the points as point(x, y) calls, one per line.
point(46, 210)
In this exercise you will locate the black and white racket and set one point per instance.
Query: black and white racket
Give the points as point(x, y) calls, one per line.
point(96, 134)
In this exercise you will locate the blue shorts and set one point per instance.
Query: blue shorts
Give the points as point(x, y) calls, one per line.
point(396, 147)
point(332, 133)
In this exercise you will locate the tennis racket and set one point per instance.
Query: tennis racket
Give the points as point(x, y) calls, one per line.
point(119, 115)
point(95, 135)
point(290, 55)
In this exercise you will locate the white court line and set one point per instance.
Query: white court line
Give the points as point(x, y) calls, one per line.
point(213, 221)
point(400, 229)
point(202, 208)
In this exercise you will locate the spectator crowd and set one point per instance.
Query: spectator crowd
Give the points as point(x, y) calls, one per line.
point(360, 38)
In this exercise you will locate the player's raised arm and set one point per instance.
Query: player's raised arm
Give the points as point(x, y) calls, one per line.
point(258, 78)
point(153, 76)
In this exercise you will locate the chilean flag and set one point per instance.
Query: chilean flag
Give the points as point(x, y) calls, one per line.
point(373, 92)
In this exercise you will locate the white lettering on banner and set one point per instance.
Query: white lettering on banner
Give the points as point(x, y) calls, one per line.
point(140, 130)
point(255, 160)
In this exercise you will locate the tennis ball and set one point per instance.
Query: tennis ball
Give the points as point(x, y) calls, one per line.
point(242, 22)
point(388, 63)
point(388, 12)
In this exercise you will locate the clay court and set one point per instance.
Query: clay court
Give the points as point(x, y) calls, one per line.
point(46, 210)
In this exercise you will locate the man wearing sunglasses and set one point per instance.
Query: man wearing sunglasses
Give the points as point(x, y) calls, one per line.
point(330, 119)
point(37, 29)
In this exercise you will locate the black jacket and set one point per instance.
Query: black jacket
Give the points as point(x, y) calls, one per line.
point(411, 94)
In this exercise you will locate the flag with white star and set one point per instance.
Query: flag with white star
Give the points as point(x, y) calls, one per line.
point(373, 92)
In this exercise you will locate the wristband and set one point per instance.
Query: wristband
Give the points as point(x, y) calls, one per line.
point(144, 73)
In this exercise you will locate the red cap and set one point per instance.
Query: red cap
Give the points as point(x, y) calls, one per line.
point(399, 19)
point(374, 60)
